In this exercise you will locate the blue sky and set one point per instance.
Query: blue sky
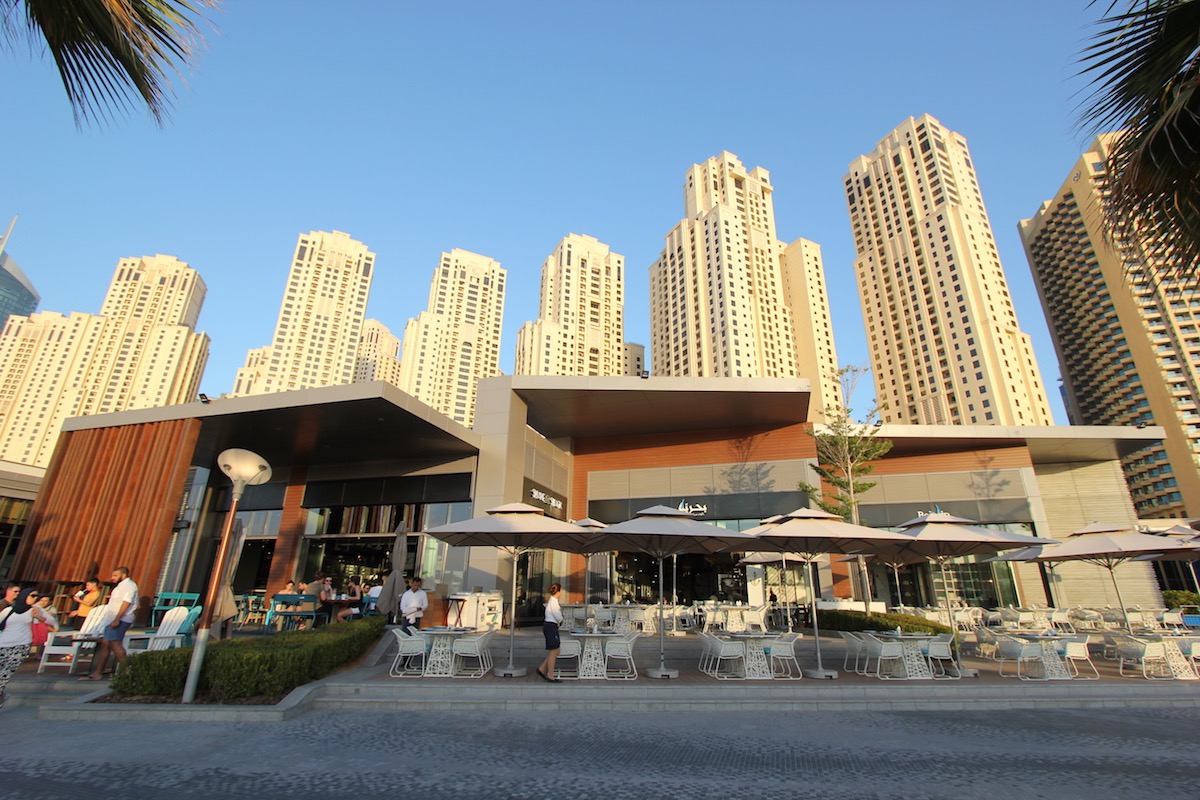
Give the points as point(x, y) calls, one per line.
point(501, 127)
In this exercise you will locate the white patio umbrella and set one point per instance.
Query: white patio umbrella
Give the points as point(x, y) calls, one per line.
point(940, 537)
point(662, 531)
point(811, 533)
point(1109, 545)
point(515, 528)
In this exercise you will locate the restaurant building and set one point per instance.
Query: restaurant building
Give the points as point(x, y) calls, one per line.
point(353, 465)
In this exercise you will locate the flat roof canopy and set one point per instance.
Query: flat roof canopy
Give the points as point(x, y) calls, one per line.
point(356, 423)
point(585, 407)
point(1047, 445)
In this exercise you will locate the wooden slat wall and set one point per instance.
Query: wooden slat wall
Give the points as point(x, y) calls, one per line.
point(285, 560)
point(679, 450)
point(108, 500)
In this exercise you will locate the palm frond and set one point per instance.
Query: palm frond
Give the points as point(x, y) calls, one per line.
point(111, 54)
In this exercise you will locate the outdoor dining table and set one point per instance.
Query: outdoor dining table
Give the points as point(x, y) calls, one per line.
point(592, 665)
point(1052, 664)
point(916, 666)
point(440, 663)
point(757, 666)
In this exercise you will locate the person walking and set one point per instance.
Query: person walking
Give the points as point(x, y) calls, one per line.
point(554, 618)
point(16, 634)
point(122, 604)
point(412, 606)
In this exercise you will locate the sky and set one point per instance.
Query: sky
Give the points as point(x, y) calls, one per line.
point(501, 127)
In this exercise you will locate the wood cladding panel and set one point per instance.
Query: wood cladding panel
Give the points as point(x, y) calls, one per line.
point(285, 560)
point(108, 500)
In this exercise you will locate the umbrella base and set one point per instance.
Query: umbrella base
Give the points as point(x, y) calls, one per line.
point(962, 672)
point(662, 673)
point(510, 672)
point(821, 674)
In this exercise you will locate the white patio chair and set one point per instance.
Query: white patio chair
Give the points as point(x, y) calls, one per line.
point(474, 648)
point(986, 643)
point(881, 651)
point(854, 647)
point(938, 653)
point(1074, 651)
point(1190, 648)
point(782, 655)
point(568, 649)
point(412, 648)
point(732, 654)
point(1149, 657)
point(1060, 620)
point(756, 619)
point(1172, 620)
point(165, 637)
point(620, 649)
point(1023, 653)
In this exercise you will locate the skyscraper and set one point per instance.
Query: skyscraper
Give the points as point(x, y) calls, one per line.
point(728, 299)
point(378, 356)
point(141, 351)
point(320, 319)
point(944, 343)
point(580, 328)
point(456, 341)
point(1128, 341)
point(17, 295)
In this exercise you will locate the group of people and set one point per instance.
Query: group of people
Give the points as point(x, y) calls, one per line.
point(27, 618)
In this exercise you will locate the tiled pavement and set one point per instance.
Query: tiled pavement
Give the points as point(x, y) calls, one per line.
point(433, 739)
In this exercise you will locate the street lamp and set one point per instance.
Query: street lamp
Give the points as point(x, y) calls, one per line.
point(244, 468)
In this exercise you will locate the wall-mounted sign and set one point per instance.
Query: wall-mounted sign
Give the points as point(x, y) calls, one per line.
point(554, 504)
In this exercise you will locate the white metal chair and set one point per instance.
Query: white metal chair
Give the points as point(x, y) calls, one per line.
point(782, 655)
point(881, 651)
point(66, 648)
point(1060, 620)
point(1149, 657)
point(568, 649)
point(620, 649)
point(1074, 651)
point(474, 648)
point(1023, 653)
point(722, 652)
point(938, 653)
point(412, 648)
point(986, 643)
point(854, 647)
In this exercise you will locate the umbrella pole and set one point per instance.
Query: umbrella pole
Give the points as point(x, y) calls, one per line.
point(787, 601)
point(899, 596)
point(512, 671)
point(950, 616)
point(820, 671)
point(662, 671)
point(1112, 574)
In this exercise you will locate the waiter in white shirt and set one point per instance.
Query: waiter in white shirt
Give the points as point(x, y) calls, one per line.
point(412, 606)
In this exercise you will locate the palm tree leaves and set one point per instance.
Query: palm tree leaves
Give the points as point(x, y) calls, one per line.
point(111, 54)
point(1145, 69)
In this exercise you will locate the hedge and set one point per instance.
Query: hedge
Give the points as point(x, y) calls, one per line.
point(859, 621)
point(257, 667)
point(1177, 598)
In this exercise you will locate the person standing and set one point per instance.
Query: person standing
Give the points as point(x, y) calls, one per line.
point(16, 633)
point(122, 604)
point(554, 618)
point(412, 606)
point(10, 594)
point(86, 599)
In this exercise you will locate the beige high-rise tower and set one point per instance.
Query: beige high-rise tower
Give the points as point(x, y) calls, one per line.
point(1128, 343)
point(728, 299)
point(456, 341)
point(378, 357)
point(580, 329)
point(945, 346)
point(140, 351)
point(320, 320)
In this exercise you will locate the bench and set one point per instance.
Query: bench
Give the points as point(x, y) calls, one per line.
point(291, 610)
point(168, 600)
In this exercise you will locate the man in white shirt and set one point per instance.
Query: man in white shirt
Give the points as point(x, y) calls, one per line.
point(412, 606)
point(122, 605)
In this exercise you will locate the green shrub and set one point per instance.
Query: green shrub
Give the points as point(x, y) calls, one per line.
point(259, 667)
point(1177, 598)
point(859, 621)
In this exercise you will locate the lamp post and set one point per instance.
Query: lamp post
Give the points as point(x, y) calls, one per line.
point(244, 468)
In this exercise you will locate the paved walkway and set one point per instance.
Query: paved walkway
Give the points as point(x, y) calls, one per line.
point(372, 736)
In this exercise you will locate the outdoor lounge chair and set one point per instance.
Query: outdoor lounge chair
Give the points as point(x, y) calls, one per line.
point(1023, 653)
point(476, 649)
point(782, 655)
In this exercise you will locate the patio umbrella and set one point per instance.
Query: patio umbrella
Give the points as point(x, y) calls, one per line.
point(940, 537)
point(810, 533)
point(1109, 545)
point(388, 602)
point(662, 531)
point(589, 524)
point(515, 528)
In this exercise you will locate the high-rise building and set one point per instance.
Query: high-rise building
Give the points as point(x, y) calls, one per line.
point(1128, 338)
point(140, 351)
point(320, 320)
point(378, 356)
point(944, 343)
point(580, 328)
point(456, 341)
point(17, 295)
point(728, 299)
